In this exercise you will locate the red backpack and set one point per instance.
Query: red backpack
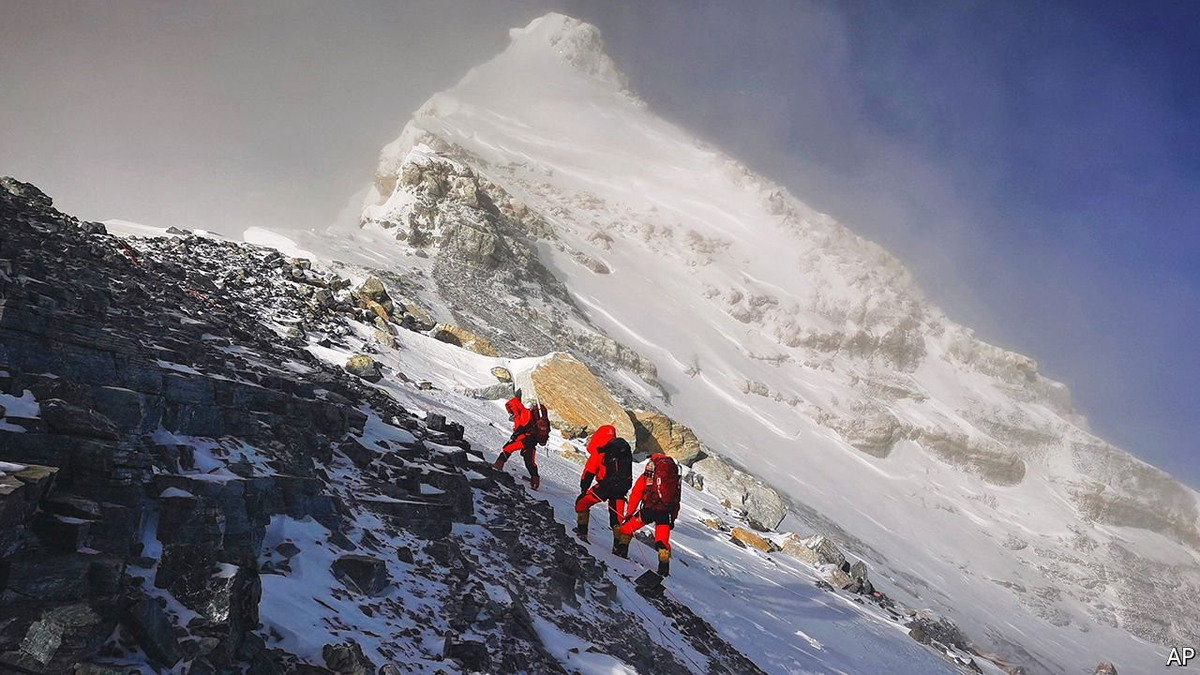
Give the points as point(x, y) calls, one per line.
point(662, 485)
point(541, 423)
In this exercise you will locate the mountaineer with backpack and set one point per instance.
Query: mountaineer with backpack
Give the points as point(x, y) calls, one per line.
point(654, 500)
point(610, 465)
point(531, 428)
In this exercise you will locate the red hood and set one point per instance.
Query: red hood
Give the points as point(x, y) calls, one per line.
point(601, 438)
point(515, 407)
point(519, 413)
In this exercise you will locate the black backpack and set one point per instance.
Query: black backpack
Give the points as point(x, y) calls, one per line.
point(618, 464)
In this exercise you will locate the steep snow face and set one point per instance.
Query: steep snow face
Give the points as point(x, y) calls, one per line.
point(805, 353)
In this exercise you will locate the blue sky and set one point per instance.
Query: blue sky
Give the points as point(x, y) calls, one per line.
point(1037, 165)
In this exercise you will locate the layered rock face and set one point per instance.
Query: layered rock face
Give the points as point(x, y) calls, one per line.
point(483, 243)
point(179, 473)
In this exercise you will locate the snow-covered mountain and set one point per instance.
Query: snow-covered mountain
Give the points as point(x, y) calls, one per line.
point(542, 204)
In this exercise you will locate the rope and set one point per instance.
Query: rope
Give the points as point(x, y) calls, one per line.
point(666, 638)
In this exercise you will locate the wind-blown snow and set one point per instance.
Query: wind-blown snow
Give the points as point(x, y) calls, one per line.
point(735, 291)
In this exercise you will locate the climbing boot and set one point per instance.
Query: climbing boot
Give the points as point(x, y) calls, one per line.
point(535, 482)
point(581, 524)
point(499, 463)
point(621, 544)
point(664, 562)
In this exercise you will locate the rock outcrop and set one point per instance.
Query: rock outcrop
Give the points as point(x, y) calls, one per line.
point(764, 508)
point(658, 433)
point(461, 337)
point(577, 402)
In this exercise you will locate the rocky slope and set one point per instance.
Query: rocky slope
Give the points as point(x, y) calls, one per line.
point(187, 486)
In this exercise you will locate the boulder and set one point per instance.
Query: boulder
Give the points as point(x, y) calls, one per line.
point(472, 654)
point(749, 538)
point(232, 605)
point(858, 571)
point(361, 573)
point(502, 374)
point(147, 621)
point(372, 290)
point(461, 337)
point(827, 552)
point(22, 487)
point(928, 629)
point(385, 338)
point(365, 367)
point(1105, 668)
point(59, 637)
point(577, 402)
point(347, 658)
point(836, 577)
point(793, 545)
point(658, 433)
point(63, 418)
point(764, 508)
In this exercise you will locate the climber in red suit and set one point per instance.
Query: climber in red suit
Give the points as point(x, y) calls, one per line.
point(523, 438)
point(610, 465)
point(654, 500)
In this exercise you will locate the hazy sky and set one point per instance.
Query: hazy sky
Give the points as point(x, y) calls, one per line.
point(1036, 164)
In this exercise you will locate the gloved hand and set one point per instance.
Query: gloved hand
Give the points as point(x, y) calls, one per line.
point(585, 481)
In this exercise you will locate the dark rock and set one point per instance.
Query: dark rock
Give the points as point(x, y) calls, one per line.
point(427, 516)
point(59, 578)
point(858, 571)
point(472, 654)
point(20, 493)
point(124, 407)
point(63, 418)
point(928, 630)
point(287, 549)
point(87, 668)
point(62, 534)
point(72, 506)
point(231, 609)
point(148, 623)
point(359, 454)
point(405, 555)
point(361, 573)
point(347, 658)
point(63, 635)
point(26, 192)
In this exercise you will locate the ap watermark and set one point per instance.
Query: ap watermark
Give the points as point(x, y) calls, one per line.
point(1180, 656)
